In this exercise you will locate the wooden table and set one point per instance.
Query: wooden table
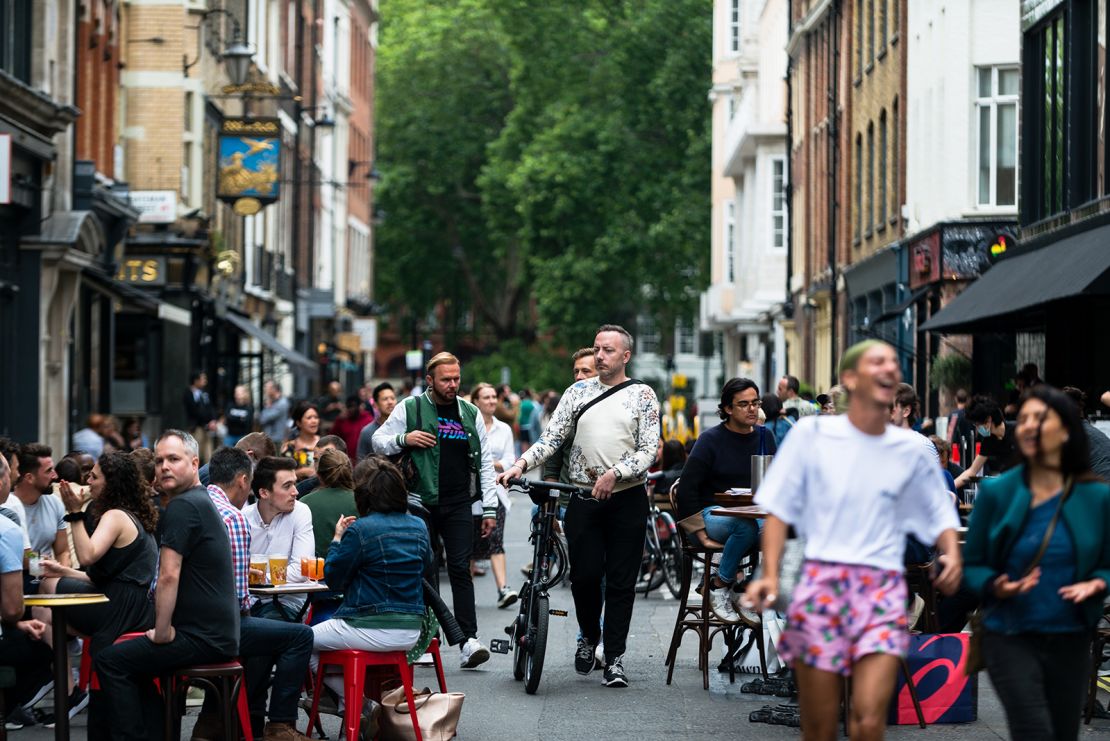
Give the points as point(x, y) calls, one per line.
point(727, 499)
point(284, 590)
point(58, 604)
point(748, 512)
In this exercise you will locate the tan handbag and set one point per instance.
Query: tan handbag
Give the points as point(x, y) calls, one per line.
point(437, 712)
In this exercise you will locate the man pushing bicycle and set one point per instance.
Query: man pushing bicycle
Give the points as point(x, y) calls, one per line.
point(612, 425)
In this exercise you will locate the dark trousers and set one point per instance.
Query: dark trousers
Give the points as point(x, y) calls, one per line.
point(606, 541)
point(454, 525)
point(266, 645)
point(126, 671)
point(1041, 679)
point(33, 661)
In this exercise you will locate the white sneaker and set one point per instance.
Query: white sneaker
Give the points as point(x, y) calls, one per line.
point(599, 656)
point(720, 601)
point(472, 653)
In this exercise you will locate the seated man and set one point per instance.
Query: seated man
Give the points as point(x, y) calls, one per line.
point(264, 645)
point(311, 483)
point(21, 644)
point(196, 614)
point(280, 526)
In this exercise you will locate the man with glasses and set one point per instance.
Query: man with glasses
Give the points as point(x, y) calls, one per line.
point(722, 460)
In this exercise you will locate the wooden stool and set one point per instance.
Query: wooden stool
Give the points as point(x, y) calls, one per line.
point(225, 679)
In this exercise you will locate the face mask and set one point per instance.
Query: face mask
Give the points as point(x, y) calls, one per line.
point(982, 430)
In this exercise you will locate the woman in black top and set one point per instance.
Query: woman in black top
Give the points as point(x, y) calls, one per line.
point(721, 460)
point(239, 417)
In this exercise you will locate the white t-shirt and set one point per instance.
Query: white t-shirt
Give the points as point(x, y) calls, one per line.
point(502, 450)
point(287, 535)
point(42, 521)
point(854, 496)
point(15, 505)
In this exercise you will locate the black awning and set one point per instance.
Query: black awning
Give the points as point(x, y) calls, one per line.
point(1075, 266)
point(897, 310)
point(124, 292)
point(297, 362)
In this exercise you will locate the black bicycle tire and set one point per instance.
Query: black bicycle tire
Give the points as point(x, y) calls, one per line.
point(520, 655)
point(672, 556)
point(533, 668)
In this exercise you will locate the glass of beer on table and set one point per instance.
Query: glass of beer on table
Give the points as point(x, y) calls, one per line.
point(278, 565)
point(257, 573)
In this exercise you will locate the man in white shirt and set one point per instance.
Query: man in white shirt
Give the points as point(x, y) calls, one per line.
point(280, 526)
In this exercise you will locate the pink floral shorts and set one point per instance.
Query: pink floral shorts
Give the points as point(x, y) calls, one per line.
point(841, 613)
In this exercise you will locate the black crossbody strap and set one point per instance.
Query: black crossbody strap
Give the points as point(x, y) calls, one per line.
point(603, 397)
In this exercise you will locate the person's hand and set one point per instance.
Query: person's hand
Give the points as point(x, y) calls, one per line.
point(951, 573)
point(1082, 591)
point(603, 487)
point(168, 637)
point(256, 573)
point(212, 426)
point(488, 524)
point(34, 628)
point(1004, 588)
point(342, 524)
point(420, 439)
point(51, 568)
point(761, 593)
point(512, 472)
point(70, 498)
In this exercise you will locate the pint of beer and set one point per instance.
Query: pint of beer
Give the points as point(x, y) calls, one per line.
point(278, 565)
point(259, 564)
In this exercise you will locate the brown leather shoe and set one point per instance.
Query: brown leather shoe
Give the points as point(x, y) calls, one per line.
point(282, 732)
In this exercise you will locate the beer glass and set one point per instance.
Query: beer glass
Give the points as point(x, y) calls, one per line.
point(259, 564)
point(278, 566)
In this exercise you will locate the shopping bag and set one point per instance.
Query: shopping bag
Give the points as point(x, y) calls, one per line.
point(437, 712)
point(946, 693)
point(745, 655)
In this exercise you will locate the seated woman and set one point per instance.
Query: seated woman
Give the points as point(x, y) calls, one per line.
point(377, 561)
point(721, 460)
point(301, 447)
point(114, 541)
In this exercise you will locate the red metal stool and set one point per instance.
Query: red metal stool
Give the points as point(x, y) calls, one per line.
point(84, 674)
point(355, 664)
point(226, 680)
point(86, 660)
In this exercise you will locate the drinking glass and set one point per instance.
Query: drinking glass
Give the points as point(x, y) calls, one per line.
point(259, 564)
point(278, 566)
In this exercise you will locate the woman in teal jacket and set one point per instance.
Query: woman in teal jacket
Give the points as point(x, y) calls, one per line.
point(1038, 625)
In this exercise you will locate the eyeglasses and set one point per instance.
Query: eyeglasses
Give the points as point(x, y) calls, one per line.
point(745, 405)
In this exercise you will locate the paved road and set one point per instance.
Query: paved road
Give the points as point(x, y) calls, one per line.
point(568, 707)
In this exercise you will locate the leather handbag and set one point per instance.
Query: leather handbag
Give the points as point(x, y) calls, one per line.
point(975, 661)
point(437, 713)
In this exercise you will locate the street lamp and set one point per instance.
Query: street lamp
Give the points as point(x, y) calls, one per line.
point(237, 59)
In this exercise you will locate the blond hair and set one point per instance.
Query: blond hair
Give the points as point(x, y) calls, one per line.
point(443, 358)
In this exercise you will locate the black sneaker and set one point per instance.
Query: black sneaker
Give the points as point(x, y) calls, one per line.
point(19, 718)
point(584, 657)
point(614, 673)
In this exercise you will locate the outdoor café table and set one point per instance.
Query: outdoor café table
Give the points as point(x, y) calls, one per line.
point(58, 604)
point(747, 512)
point(734, 498)
point(270, 590)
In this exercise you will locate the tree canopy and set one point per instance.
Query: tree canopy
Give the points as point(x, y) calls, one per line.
point(545, 165)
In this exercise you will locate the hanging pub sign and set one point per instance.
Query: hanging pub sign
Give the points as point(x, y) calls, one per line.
point(249, 168)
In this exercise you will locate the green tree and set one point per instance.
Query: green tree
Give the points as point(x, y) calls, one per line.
point(553, 156)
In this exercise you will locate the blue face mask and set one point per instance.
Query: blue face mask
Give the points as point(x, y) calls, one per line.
point(982, 430)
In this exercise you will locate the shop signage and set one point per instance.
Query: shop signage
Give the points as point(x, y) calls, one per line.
point(5, 168)
point(249, 167)
point(155, 206)
point(145, 271)
point(958, 252)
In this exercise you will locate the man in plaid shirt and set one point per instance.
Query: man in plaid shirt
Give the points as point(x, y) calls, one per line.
point(264, 645)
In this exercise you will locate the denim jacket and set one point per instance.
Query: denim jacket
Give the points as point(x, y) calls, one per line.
point(379, 564)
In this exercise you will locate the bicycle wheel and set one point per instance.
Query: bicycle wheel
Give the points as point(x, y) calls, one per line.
point(533, 666)
point(672, 559)
point(520, 653)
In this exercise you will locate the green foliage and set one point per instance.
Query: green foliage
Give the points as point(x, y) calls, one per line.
point(537, 366)
point(951, 372)
point(545, 165)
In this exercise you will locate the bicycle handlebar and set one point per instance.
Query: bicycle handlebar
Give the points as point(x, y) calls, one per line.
point(549, 485)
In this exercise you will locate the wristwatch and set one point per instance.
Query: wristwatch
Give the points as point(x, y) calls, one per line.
point(617, 474)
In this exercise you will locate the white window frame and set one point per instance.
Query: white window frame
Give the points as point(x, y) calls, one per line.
point(684, 332)
point(992, 103)
point(729, 246)
point(779, 190)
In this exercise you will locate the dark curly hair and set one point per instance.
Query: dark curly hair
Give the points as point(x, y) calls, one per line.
point(126, 489)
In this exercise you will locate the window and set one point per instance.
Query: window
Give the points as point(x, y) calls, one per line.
point(882, 168)
point(859, 39)
point(686, 342)
point(996, 104)
point(734, 26)
point(730, 242)
point(882, 24)
point(15, 39)
point(859, 185)
point(896, 17)
point(870, 31)
point(870, 177)
point(647, 340)
point(778, 202)
point(895, 160)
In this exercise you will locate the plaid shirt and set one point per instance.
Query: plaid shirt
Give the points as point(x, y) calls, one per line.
point(239, 534)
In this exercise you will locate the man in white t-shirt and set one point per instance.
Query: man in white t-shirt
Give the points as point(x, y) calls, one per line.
point(280, 525)
point(43, 512)
point(854, 486)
